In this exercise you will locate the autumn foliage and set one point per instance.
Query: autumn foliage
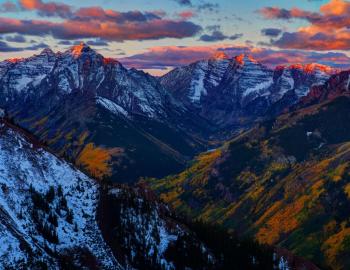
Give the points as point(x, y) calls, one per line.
point(285, 182)
point(97, 160)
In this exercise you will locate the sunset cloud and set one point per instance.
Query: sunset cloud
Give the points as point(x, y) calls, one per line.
point(271, 32)
point(97, 42)
point(184, 2)
point(16, 39)
point(328, 28)
point(155, 29)
point(217, 35)
point(47, 9)
point(174, 56)
point(168, 56)
point(96, 22)
point(187, 14)
point(5, 47)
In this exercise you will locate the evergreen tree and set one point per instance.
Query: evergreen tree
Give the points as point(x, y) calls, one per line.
point(69, 216)
point(50, 195)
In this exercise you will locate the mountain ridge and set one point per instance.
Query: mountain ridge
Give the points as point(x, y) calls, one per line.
point(80, 103)
point(229, 92)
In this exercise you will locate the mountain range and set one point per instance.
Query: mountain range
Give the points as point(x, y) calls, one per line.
point(84, 105)
point(231, 93)
point(226, 142)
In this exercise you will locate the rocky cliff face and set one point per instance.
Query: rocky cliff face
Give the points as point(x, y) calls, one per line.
point(231, 92)
point(337, 85)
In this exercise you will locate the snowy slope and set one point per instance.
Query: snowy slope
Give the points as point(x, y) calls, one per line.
point(49, 216)
point(25, 170)
point(111, 106)
point(192, 83)
point(16, 75)
point(254, 79)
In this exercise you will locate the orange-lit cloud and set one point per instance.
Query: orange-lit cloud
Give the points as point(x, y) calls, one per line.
point(96, 22)
point(173, 56)
point(336, 7)
point(47, 9)
point(109, 30)
point(328, 28)
point(187, 14)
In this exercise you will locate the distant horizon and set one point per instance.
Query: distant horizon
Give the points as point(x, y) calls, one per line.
point(230, 57)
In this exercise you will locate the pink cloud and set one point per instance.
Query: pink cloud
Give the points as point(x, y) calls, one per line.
point(173, 56)
point(105, 29)
point(47, 9)
point(328, 28)
point(187, 14)
point(96, 22)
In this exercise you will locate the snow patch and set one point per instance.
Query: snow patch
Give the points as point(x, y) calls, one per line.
point(257, 88)
point(197, 84)
point(111, 106)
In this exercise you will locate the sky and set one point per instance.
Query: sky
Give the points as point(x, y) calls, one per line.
point(158, 35)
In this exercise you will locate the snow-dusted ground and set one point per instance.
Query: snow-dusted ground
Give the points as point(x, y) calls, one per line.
point(23, 166)
point(111, 106)
point(21, 72)
point(197, 84)
point(27, 171)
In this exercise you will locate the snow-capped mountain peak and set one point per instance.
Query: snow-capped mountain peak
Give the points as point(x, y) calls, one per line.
point(80, 68)
point(82, 48)
point(301, 77)
point(14, 60)
point(220, 56)
point(245, 59)
point(18, 74)
point(226, 89)
point(312, 67)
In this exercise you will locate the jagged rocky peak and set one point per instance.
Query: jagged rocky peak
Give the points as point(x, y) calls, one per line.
point(309, 68)
point(10, 61)
point(81, 49)
point(243, 59)
point(220, 56)
point(47, 51)
point(312, 67)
